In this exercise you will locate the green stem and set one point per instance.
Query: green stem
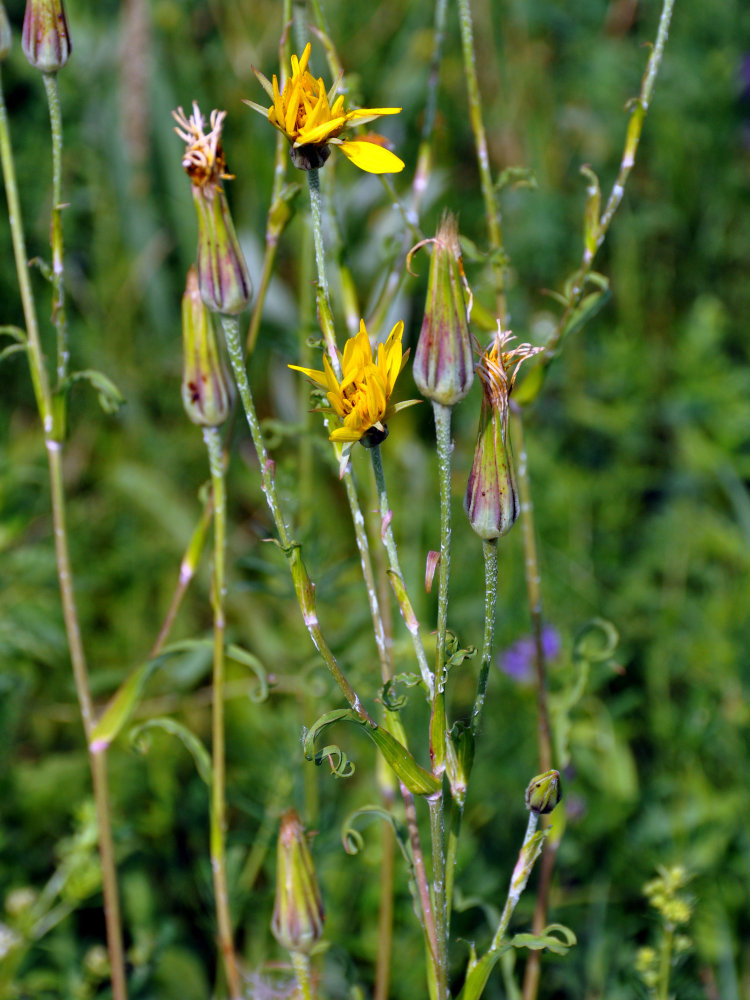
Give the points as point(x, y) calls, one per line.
point(517, 883)
point(443, 437)
point(40, 382)
point(491, 209)
point(37, 367)
point(301, 965)
point(439, 898)
point(325, 315)
point(489, 551)
point(397, 580)
point(218, 821)
point(302, 584)
point(665, 962)
point(638, 113)
point(56, 233)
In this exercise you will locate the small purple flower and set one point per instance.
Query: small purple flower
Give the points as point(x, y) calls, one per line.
point(517, 661)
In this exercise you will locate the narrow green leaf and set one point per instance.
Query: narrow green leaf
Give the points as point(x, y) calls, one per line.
point(240, 655)
point(110, 397)
point(198, 752)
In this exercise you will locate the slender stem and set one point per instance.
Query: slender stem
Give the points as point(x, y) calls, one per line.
point(397, 579)
point(439, 899)
point(533, 592)
point(56, 233)
point(40, 382)
point(489, 551)
point(491, 208)
point(385, 911)
point(39, 378)
point(665, 961)
point(443, 437)
point(451, 853)
point(301, 965)
point(517, 883)
point(303, 586)
point(218, 823)
point(532, 972)
point(419, 871)
point(638, 113)
point(325, 315)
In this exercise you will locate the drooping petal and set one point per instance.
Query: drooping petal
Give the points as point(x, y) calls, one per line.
point(371, 157)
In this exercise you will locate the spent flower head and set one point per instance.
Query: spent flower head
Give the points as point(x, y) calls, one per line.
point(313, 118)
point(491, 500)
point(361, 398)
point(222, 273)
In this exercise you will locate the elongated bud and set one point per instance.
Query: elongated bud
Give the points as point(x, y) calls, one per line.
point(491, 500)
point(459, 759)
point(5, 35)
point(298, 914)
point(443, 366)
point(222, 273)
point(206, 385)
point(46, 41)
point(544, 792)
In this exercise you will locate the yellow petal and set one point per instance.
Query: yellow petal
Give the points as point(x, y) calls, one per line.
point(371, 157)
point(320, 133)
point(319, 377)
point(359, 114)
point(345, 434)
point(304, 60)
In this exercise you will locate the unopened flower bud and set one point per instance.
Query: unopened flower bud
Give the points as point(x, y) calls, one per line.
point(298, 914)
point(443, 367)
point(222, 273)
point(206, 384)
point(5, 36)
point(491, 500)
point(46, 41)
point(544, 792)
point(459, 759)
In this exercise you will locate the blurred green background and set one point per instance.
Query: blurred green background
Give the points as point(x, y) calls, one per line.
point(639, 451)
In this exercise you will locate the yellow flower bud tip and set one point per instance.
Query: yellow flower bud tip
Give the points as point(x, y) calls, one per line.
point(298, 914)
point(45, 38)
point(443, 365)
point(207, 389)
point(312, 119)
point(361, 400)
point(544, 792)
point(491, 501)
point(5, 35)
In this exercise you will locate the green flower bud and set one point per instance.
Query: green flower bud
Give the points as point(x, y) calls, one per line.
point(298, 913)
point(222, 273)
point(206, 385)
point(459, 759)
point(544, 792)
point(443, 366)
point(5, 35)
point(45, 39)
point(491, 500)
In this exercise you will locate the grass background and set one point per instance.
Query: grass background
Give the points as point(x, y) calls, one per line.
point(639, 455)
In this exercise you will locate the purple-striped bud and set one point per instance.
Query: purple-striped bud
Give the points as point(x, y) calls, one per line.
point(298, 914)
point(443, 367)
point(491, 500)
point(46, 40)
point(206, 385)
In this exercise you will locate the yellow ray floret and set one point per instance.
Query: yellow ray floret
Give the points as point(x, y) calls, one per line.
point(361, 398)
point(304, 113)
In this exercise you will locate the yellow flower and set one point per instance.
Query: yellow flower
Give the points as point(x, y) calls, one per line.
point(361, 399)
point(304, 113)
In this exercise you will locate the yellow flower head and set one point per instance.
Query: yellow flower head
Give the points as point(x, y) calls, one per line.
point(304, 113)
point(204, 161)
point(361, 399)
